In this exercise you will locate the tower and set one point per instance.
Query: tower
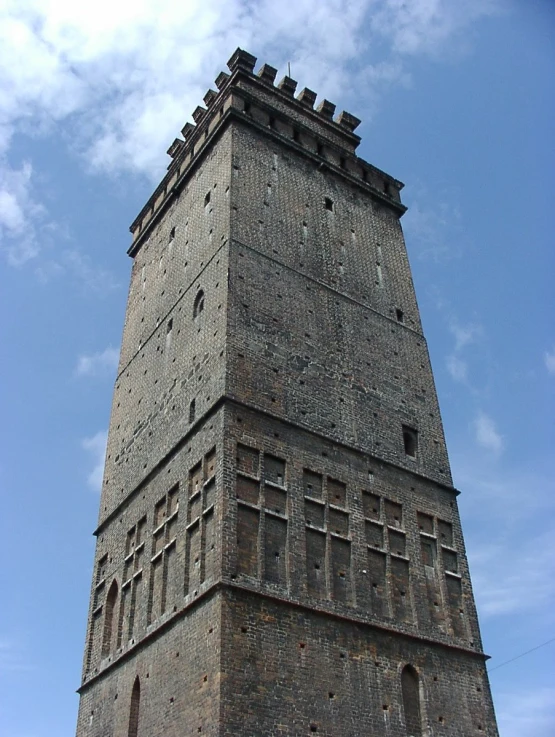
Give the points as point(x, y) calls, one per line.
point(278, 547)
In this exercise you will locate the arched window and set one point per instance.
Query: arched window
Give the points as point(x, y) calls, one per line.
point(410, 688)
point(199, 304)
point(133, 728)
point(109, 617)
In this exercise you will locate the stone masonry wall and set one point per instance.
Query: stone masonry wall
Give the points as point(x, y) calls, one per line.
point(338, 530)
point(169, 357)
point(279, 209)
point(312, 335)
point(179, 677)
point(279, 550)
point(292, 672)
point(157, 557)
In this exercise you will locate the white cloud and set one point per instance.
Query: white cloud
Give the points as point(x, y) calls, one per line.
point(98, 364)
point(424, 26)
point(457, 368)
point(486, 433)
point(124, 76)
point(509, 578)
point(508, 519)
point(12, 658)
point(136, 69)
point(20, 214)
point(96, 446)
point(431, 222)
point(530, 712)
point(91, 275)
point(549, 359)
point(464, 334)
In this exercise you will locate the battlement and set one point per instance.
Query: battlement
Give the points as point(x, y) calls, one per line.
point(242, 60)
point(246, 95)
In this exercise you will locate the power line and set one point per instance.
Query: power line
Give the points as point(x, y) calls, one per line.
point(490, 670)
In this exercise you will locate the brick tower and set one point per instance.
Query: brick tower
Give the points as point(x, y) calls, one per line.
point(278, 549)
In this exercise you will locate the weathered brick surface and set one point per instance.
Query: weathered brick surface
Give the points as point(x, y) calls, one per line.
point(179, 673)
point(290, 669)
point(279, 550)
point(335, 495)
point(160, 371)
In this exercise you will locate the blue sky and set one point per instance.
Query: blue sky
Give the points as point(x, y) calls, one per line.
point(456, 101)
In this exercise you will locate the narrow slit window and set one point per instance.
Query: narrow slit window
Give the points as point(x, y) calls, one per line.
point(169, 326)
point(207, 199)
point(109, 617)
point(198, 307)
point(400, 315)
point(328, 204)
point(133, 728)
point(172, 234)
point(410, 441)
point(192, 411)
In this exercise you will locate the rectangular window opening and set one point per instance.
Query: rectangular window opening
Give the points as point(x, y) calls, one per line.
point(410, 441)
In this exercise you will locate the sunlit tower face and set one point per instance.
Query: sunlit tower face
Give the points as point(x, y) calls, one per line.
point(279, 546)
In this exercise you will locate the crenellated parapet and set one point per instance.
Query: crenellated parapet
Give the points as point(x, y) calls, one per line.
point(276, 109)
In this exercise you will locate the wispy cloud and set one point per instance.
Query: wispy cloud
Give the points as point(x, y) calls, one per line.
point(90, 274)
point(458, 369)
point(12, 658)
point(85, 273)
point(102, 363)
point(27, 232)
point(509, 522)
point(124, 76)
point(20, 214)
point(526, 712)
point(422, 26)
point(465, 336)
point(96, 446)
point(486, 433)
point(510, 578)
point(430, 224)
point(549, 358)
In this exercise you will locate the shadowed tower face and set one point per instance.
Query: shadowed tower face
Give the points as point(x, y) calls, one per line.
point(279, 550)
